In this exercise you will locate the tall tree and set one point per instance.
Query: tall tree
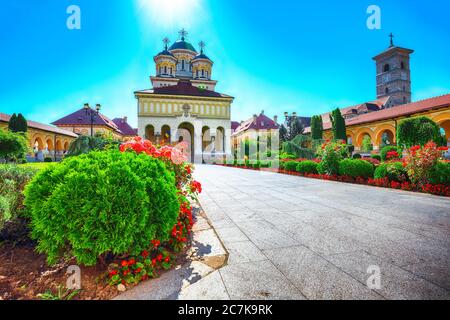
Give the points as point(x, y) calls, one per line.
point(317, 128)
point(283, 133)
point(21, 124)
point(12, 124)
point(338, 122)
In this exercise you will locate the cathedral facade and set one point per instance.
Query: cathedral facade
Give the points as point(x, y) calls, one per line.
point(183, 104)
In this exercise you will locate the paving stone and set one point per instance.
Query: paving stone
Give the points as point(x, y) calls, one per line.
point(396, 283)
point(315, 277)
point(245, 251)
point(230, 235)
point(259, 281)
point(210, 287)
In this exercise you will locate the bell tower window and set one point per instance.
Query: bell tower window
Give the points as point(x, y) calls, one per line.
point(386, 67)
point(387, 90)
point(182, 65)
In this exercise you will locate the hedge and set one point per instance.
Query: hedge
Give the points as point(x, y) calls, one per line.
point(100, 204)
point(290, 165)
point(394, 171)
point(355, 168)
point(440, 174)
point(307, 167)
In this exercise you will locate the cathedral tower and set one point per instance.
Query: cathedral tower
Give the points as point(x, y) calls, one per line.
point(394, 75)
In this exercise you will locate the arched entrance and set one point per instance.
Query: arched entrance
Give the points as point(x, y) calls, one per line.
point(49, 145)
point(185, 133)
point(206, 140)
point(165, 135)
point(39, 144)
point(445, 130)
point(150, 133)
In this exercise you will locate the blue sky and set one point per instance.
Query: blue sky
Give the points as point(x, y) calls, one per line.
point(304, 56)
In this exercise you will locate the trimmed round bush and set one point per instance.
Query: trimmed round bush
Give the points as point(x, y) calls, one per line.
point(355, 168)
point(440, 174)
point(394, 171)
point(101, 203)
point(376, 157)
point(48, 159)
point(290, 166)
point(307, 167)
point(357, 156)
point(384, 151)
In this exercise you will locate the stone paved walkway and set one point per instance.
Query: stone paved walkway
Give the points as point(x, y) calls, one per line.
point(295, 238)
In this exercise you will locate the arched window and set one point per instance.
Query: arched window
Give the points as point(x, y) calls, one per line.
point(207, 74)
point(182, 65)
point(404, 99)
point(387, 67)
point(165, 70)
point(171, 71)
point(387, 90)
point(197, 73)
point(203, 73)
point(402, 65)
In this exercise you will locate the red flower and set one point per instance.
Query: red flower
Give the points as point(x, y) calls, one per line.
point(144, 254)
point(153, 262)
point(124, 263)
point(131, 262)
point(167, 259)
point(156, 243)
point(159, 257)
point(126, 272)
point(138, 270)
point(113, 273)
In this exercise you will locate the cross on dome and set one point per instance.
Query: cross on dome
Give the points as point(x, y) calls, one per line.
point(183, 34)
point(202, 46)
point(166, 42)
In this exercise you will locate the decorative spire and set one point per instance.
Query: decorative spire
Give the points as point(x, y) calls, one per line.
point(183, 34)
point(202, 46)
point(166, 42)
point(392, 40)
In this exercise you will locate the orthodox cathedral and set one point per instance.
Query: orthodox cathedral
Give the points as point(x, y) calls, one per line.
point(183, 105)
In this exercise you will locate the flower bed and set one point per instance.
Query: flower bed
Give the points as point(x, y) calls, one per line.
point(436, 189)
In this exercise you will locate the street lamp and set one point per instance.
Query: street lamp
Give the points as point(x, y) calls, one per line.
point(92, 114)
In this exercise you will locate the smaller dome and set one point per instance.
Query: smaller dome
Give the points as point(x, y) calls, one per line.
point(201, 56)
point(166, 53)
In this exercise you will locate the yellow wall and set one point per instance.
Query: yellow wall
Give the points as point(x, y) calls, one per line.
point(173, 107)
point(45, 139)
point(376, 129)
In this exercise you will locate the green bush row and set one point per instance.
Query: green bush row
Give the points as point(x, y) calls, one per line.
point(355, 168)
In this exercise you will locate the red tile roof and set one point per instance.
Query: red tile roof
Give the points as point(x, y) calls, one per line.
point(37, 125)
point(79, 117)
point(184, 88)
point(395, 112)
point(262, 123)
point(124, 127)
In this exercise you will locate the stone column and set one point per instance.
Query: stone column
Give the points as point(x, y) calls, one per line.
point(198, 152)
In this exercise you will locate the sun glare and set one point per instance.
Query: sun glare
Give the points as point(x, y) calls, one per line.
point(170, 13)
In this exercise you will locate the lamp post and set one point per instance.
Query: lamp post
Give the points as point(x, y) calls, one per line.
point(92, 114)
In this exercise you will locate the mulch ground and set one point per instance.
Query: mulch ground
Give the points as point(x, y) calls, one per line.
point(24, 274)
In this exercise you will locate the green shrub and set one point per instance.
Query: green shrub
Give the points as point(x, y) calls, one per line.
point(13, 146)
point(290, 165)
point(417, 131)
point(48, 159)
point(307, 167)
point(440, 174)
point(257, 165)
point(355, 168)
point(357, 156)
point(101, 203)
point(384, 151)
point(13, 222)
point(394, 171)
point(86, 144)
point(376, 156)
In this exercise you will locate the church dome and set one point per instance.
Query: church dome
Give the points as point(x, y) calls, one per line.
point(182, 45)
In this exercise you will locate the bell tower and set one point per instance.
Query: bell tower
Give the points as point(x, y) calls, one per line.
point(394, 75)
